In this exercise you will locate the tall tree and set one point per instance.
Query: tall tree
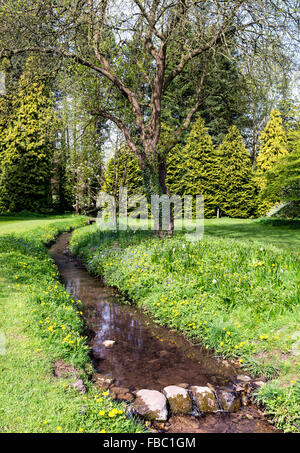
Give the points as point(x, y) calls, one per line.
point(79, 155)
point(122, 170)
point(283, 180)
point(196, 168)
point(224, 97)
point(139, 64)
point(237, 193)
point(27, 144)
point(273, 146)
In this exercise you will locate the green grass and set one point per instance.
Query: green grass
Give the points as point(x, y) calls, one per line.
point(22, 224)
point(39, 324)
point(284, 237)
point(238, 297)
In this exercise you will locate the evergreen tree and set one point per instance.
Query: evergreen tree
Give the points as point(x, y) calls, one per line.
point(224, 97)
point(237, 190)
point(283, 180)
point(175, 170)
point(123, 171)
point(273, 146)
point(25, 180)
point(195, 169)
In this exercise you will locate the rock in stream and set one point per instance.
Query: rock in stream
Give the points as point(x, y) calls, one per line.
point(151, 405)
point(179, 400)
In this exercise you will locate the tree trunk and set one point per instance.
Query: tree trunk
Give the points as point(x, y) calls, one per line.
point(154, 176)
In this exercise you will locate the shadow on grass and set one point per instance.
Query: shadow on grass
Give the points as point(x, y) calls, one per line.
point(285, 237)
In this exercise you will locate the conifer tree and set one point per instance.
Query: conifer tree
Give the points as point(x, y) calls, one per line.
point(273, 147)
point(25, 180)
point(283, 180)
point(195, 170)
point(123, 170)
point(175, 170)
point(237, 189)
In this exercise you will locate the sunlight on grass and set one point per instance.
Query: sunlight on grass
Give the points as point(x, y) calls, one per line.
point(238, 297)
point(41, 323)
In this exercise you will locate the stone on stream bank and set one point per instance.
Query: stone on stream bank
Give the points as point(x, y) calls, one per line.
point(103, 381)
point(179, 400)
point(121, 394)
point(205, 399)
point(151, 405)
point(229, 400)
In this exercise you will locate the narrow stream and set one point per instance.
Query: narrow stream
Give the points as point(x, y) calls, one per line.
point(146, 355)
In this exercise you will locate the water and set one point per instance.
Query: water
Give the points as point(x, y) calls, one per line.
point(146, 355)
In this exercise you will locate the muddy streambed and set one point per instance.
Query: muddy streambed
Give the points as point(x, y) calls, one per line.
point(145, 355)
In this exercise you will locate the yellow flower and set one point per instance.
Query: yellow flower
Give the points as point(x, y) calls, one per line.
point(102, 431)
point(58, 428)
point(228, 333)
point(104, 393)
point(101, 413)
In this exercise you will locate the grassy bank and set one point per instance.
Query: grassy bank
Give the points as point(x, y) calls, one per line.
point(238, 297)
point(40, 324)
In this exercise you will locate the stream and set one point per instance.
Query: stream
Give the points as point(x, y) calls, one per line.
point(146, 355)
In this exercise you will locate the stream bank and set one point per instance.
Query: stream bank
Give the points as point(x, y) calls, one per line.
point(148, 356)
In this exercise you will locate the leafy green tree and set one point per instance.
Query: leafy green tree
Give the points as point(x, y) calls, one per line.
point(175, 170)
point(79, 167)
point(25, 181)
point(195, 170)
point(283, 180)
point(123, 170)
point(273, 147)
point(224, 97)
point(237, 189)
point(144, 53)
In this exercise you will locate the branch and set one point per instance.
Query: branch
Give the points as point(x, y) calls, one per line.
point(150, 18)
point(106, 71)
point(119, 123)
point(194, 53)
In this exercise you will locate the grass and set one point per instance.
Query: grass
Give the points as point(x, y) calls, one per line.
point(24, 223)
point(40, 324)
point(238, 297)
point(285, 237)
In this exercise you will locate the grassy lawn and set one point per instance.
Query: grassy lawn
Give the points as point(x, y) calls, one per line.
point(39, 325)
point(283, 237)
point(239, 297)
point(22, 224)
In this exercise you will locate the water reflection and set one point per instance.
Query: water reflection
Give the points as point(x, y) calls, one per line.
point(144, 355)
